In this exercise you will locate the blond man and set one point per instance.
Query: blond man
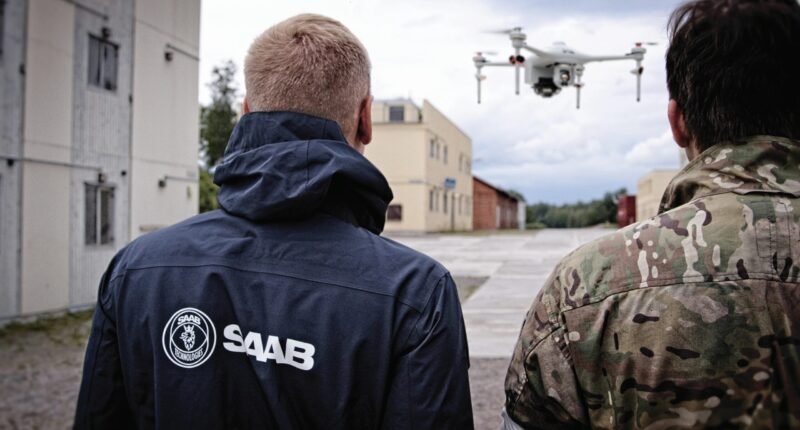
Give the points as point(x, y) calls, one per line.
point(284, 309)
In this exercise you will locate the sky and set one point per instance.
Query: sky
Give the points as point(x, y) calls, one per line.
point(544, 148)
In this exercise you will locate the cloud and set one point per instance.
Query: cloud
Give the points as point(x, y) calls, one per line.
point(658, 151)
point(544, 148)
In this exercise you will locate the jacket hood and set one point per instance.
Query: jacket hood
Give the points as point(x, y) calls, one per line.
point(758, 164)
point(288, 166)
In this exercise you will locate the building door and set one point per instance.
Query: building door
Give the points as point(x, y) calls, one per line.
point(452, 212)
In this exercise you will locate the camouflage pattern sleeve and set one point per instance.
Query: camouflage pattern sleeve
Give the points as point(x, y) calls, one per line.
point(541, 388)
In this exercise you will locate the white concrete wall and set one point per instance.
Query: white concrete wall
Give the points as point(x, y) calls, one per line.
point(101, 131)
point(165, 114)
point(12, 84)
point(47, 136)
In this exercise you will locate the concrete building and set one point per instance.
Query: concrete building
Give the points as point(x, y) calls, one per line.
point(99, 139)
point(649, 191)
point(493, 207)
point(651, 187)
point(427, 160)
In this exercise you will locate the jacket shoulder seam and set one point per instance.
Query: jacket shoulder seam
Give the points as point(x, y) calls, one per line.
point(277, 273)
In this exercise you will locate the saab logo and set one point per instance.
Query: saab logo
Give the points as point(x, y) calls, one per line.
point(189, 338)
point(298, 354)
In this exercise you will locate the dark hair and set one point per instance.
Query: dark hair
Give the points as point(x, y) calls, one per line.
point(733, 68)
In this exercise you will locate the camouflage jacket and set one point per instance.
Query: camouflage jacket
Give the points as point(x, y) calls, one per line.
point(689, 319)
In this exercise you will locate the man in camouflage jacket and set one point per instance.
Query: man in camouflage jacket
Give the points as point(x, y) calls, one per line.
point(689, 319)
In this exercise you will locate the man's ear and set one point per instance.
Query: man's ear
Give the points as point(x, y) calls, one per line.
point(364, 131)
point(678, 125)
point(245, 106)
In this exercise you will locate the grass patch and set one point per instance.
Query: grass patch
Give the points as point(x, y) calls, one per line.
point(46, 324)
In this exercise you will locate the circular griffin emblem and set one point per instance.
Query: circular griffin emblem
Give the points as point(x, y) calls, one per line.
point(189, 338)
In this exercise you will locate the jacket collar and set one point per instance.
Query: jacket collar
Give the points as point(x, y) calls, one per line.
point(758, 164)
point(281, 166)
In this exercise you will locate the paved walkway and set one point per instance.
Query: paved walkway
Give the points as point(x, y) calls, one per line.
point(517, 265)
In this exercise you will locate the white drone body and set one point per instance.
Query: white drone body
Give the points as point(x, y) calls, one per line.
point(549, 70)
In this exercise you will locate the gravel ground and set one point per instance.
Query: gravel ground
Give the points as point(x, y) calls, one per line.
point(40, 369)
point(486, 377)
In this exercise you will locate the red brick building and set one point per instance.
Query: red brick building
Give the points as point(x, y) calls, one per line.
point(492, 208)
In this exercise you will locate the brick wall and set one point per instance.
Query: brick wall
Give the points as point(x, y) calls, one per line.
point(484, 203)
point(492, 208)
point(508, 212)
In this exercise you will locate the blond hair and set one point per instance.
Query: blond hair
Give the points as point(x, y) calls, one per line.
point(310, 64)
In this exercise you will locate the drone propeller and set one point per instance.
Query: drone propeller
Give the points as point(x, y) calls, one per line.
point(504, 30)
point(485, 53)
point(638, 44)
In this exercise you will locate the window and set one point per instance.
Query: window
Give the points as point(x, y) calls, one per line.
point(431, 197)
point(433, 148)
point(444, 156)
point(437, 150)
point(99, 213)
point(436, 201)
point(444, 202)
point(394, 213)
point(397, 113)
point(103, 60)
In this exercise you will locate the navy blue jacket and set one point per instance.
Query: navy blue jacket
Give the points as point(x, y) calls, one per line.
point(283, 310)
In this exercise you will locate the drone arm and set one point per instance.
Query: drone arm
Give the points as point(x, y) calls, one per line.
point(534, 50)
point(593, 59)
point(497, 64)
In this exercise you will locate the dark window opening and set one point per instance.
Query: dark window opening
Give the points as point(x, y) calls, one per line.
point(103, 63)
point(394, 213)
point(397, 113)
point(99, 214)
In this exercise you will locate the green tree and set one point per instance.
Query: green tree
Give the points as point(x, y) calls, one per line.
point(217, 121)
point(580, 214)
point(208, 191)
point(219, 117)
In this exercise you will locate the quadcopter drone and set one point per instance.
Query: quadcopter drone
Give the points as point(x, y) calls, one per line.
point(547, 71)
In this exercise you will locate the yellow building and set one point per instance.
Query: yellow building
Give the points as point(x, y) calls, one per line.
point(428, 162)
point(649, 190)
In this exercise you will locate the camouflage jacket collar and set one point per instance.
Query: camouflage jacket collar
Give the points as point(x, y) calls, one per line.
point(759, 164)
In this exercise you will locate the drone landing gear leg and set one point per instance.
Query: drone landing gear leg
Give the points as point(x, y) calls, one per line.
point(578, 86)
point(639, 71)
